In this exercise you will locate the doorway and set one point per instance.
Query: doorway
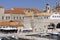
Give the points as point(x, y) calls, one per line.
point(58, 25)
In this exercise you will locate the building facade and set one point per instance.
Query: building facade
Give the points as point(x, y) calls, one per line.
point(42, 21)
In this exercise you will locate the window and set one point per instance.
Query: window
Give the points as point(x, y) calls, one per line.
point(45, 17)
point(3, 27)
point(53, 16)
point(15, 17)
point(35, 15)
point(56, 16)
point(51, 26)
point(58, 25)
point(7, 17)
point(19, 17)
point(23, 17)
point(2, 17)
point(39, 17)
point(48, 8)
point(27, 10)
point(0, 27)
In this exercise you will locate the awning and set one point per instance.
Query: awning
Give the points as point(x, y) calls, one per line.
point(9, 28)
point(13, 23)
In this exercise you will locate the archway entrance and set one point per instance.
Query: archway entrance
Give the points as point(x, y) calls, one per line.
point(51, 26)
point(58, 25)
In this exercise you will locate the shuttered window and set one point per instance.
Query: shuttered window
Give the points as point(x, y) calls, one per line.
point(2, 17)
point(7, 17)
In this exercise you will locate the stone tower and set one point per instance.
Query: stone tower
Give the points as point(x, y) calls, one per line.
point(48, 8)
point(58, 5)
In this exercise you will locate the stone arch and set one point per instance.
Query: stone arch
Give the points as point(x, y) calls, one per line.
point(58, 25)
point(51, 26)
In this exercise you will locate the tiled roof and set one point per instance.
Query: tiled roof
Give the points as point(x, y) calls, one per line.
point(20, 10)
point(1, 7)
point(7, 11)
point(6, 23)
point(56, 10)
point(31, 13)
point(44, 13)
point(35, 11)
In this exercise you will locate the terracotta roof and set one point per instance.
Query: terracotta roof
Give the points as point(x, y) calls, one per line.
point(39, 12)
point(33, 9)
point(31, 13)
point(20, 10)
point(44, 13)
point(56, 10)
point(1, 7)
point(6, 23)
point(7, 11)
point(15, 11)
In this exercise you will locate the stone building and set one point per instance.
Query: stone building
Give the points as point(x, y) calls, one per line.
point(42, 21)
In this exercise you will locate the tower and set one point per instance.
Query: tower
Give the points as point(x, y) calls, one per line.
point(58, 5)
point(48, 8)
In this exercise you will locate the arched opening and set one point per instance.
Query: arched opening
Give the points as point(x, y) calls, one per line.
point(51, 26)
point(58, 25)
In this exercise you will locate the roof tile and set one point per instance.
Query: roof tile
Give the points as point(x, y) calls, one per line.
point(6, 23)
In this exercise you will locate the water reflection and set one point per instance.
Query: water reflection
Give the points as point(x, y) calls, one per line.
point(10, 38)
point(49, 36)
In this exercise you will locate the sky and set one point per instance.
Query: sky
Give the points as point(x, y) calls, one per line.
point(40, 4)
